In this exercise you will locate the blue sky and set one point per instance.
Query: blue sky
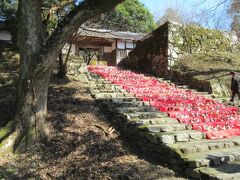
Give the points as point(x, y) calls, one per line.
point(157, 8)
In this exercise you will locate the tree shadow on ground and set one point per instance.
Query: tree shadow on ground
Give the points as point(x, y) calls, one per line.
point(229, 168)
point(78, 149)
point(7, 173)
point(7, 100)
point(9, 63)
point(226, 166)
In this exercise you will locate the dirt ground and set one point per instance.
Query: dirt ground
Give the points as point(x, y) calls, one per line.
point(79, 147)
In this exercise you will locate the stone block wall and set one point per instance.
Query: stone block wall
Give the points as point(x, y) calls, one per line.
point(159, 50)
point(150, 54)
point(183, 39)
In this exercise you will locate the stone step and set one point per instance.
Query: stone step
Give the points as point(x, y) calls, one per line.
point(144, 115)
point(101, 81)
point(179, 136)
point(167, 81)
point(107, 95)
point(122, 110)
point(164, 80)
point(98, 82)
point(194, 90)
point(97, 91)
point(206, 145)
point(223, 172)
point(93, 76)
point(112, 95)
point(182, 86)
point(200, 92)
point(160, 79)
point(215, 157)
point(222, 100)
point(96, 77)
point(129, 94)
point(153, 121)
point(181, 83)
point(124, 104)
point(166, 127)
point(205, 94)
point(209, 96)
point(121, 99)
point(105, 86)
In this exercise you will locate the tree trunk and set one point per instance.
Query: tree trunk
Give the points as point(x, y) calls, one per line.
point(32, 90)
point(32, 111)
point(62, 66)
point(38, 56)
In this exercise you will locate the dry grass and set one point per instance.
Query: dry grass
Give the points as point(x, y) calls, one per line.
point(204, 66)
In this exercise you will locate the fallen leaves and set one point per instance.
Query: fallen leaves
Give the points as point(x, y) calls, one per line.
point(84, 145)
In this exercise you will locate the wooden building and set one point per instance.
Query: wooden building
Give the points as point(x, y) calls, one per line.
point(113, 46)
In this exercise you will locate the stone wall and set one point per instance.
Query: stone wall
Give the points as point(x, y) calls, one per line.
point(190, 39)
point(150, 54)
point(157, 53)
point(74, 65)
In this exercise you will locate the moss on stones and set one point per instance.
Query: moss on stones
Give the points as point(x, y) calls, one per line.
point(7, 145)
point(7, 129)
point(3, 132)
point(192, 39)
point(26, 140)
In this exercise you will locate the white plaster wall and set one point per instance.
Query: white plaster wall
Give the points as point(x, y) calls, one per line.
point(5, 35)
point(73, 48)
point(108, 49)
point(114, 45)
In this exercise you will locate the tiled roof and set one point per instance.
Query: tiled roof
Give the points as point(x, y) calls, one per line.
point(109, 34)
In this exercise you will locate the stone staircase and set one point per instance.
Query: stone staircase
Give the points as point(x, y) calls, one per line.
point(184, 149)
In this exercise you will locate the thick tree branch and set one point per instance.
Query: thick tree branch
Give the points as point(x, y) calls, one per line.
point(57, 8)
point(86, 10)
point(83, 12)
point(31, 34)
point(69, 49)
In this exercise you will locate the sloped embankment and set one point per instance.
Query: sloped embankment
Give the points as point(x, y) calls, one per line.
point(207, 71)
